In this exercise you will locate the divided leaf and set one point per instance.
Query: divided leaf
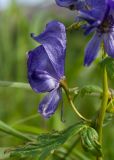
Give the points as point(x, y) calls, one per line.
point(90, 89)
point(46, 143)
point(89, 139)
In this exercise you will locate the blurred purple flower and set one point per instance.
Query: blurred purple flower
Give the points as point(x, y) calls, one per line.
point(111, 3)
point(92, 8)
point(99, 15)
point(71, 4)
point(104, 32)
point(46, 66)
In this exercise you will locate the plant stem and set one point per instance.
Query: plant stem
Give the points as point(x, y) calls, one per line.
point(65, 87)
point(25, 119)
point(15, 85)
point(103, 107)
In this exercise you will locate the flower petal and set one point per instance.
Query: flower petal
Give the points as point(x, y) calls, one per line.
point(49, 104)
point(109, 43)
point(92, 49)
point(93, 8)
point(71, 4)
point(53, 40)
point(111, 3)
point(41, 75)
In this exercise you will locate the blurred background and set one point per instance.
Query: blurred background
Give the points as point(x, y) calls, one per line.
point(19, 18)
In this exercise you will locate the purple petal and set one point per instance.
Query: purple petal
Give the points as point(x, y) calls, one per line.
point(49, 104)
point(96, 3)
point(92, 49)
point(71, 4)
point(90, 28)
point(65, 3)
point(109, 43)
point(95, 9)
point(41, 74)
point(111, 3)
point(53, 40)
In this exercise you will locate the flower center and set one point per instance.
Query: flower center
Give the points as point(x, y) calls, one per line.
point(107, 25)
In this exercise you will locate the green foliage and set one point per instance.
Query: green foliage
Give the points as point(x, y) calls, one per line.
point(4, 155)
point(16, 104)
point(89, 138)
point(109, 62)
point(90, 90)
point(47, 143)
point(11, 131)
point(110, 107)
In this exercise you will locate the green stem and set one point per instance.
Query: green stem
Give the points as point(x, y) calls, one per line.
point(65, 87)
point(103, 107)
point(25, 119)
point(15, 85)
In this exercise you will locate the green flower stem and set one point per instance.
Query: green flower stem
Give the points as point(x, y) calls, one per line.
point(25, 119)
point(15, 85)
point(101, 115)
point(74, 26)
point(65, 87)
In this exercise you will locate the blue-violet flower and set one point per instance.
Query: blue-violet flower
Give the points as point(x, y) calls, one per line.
point(90, 7)
point(46, 66)
point(104, 33)
point(99, 15)
point(111, 3)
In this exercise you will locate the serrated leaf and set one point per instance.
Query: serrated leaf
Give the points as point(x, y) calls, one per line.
point(90, 89)
point(89, 138)
point(45, 143)
point(109, 62)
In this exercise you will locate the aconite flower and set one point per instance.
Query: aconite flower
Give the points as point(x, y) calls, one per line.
point(46, 66)
point(103, 33)
point(99, 18)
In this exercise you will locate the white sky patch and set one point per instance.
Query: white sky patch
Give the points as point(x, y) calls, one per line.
point(5, 3)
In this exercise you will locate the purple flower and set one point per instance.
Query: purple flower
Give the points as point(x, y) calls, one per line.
point(111, 3)
point(46, 66)
point(104, 32)
point(100, 19)
point(99, 15)
point(92, 8)
point(71, 4)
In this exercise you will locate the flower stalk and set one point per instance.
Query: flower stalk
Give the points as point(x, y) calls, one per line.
point(65, 87)
point(101, 115)
point(10, 84)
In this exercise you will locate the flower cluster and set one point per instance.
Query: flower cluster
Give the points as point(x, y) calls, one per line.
point(99, 18)
point(46, 62)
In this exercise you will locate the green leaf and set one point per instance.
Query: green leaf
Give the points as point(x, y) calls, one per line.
point(90, 90)
point(48, 142)
point(109, 62)
point(110, 107)
point(11, 131)
point(89, 138)
point(3, 155)
point(108, 119)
